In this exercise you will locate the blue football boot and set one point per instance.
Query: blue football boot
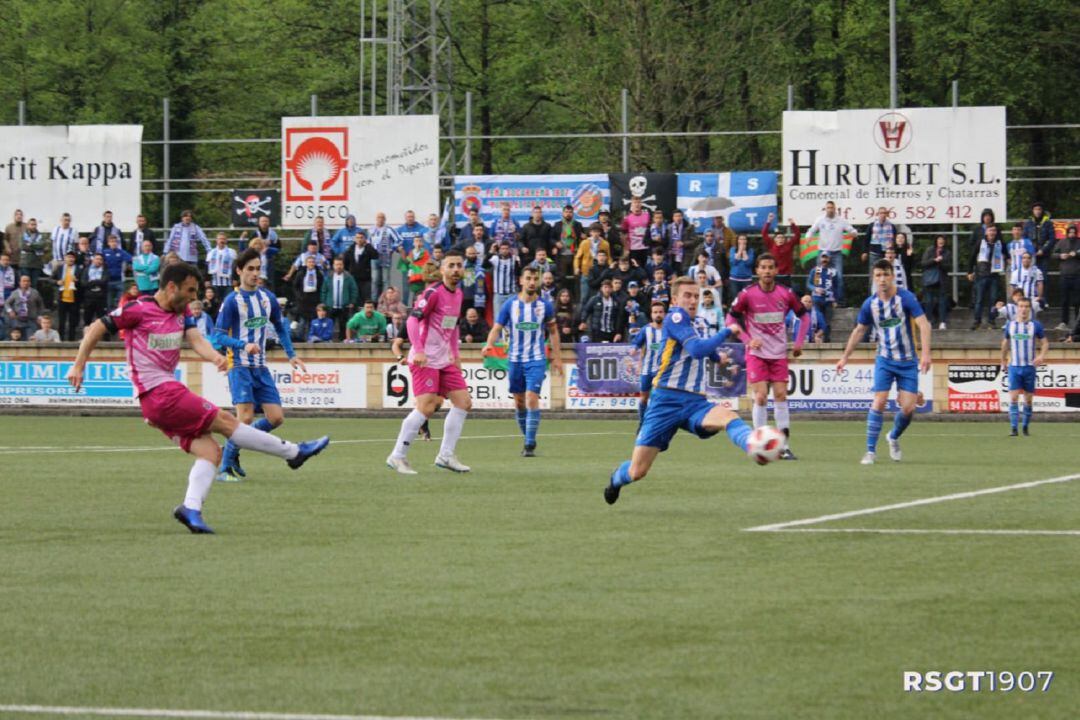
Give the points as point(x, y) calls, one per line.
point(192, 520)
point(309, 449)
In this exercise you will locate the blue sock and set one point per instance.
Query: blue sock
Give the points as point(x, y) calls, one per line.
point(532, 423)
point(1027, 415)
point(621, 476)
point(738, 431)
point(1014, 415)
point(900, 423)
point(263, 424)
point(228, 455)
point(874, 419)
point(521, 414)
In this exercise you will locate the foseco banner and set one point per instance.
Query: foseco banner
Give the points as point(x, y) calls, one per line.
point(924, 165)
point(338, 166)
point(47, 170)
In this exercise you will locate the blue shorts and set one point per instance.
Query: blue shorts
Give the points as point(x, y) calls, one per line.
point(1022, 378)
point(527, 376)
point(253, 386)
point(670, 410)
point(905, 373)
point(647, 381)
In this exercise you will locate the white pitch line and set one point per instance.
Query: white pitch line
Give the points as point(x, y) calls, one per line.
point(190, 714)
point(775, 527)
point(926, 531)
point(58, 450)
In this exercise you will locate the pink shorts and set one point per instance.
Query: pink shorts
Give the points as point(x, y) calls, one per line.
point(179, 413)
point(760, 369)
point(441, 381)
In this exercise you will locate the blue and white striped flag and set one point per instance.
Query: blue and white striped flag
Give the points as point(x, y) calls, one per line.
point(744, 199)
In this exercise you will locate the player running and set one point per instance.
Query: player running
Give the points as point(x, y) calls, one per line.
point(762, 310)
point(155, 326)
point(649, 338)
point(241, 328)
point(1018, 354)
point(525, 318)
point(891, 312)
point(678, 398)
point(435, 366)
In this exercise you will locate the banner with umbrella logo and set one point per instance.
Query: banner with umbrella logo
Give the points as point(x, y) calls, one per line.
point(743, 199)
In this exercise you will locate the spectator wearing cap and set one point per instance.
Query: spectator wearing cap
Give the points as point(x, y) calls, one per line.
point(184, 236)
point(1067, 251)
point(1040, 229)
point(602, 318)
point(586, 258)
point(822, 284)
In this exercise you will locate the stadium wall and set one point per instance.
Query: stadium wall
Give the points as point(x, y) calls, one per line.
point(345, 378)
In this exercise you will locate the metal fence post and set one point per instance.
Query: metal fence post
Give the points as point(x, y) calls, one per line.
point(625, 130)
point(790, 97)
point(165, 163)
point(955, 237)
point(468, 133)
point(314, 105)
point(22, 112)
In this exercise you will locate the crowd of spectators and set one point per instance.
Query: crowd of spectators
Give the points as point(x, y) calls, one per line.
point(355, 284)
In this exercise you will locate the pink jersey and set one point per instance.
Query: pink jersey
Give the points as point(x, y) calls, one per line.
point(763, 315)
point(635, 227)
point(435, 332)
point(152, 340)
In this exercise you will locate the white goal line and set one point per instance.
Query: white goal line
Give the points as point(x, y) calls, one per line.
point(63, 710)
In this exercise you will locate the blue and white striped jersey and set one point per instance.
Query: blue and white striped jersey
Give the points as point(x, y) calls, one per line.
point(525, 323)
point(1021, 337)
point(503, 274)
point(1028, 279)
point(650, 338)
point(679, 370)
point(245, 318)
point(891, 320)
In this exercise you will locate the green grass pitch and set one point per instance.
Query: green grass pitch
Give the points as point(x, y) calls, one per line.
point(515, 592)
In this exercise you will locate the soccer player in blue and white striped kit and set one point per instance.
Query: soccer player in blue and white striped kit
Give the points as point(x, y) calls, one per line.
point(892, 312)
point(1019, 356)
point(525, 318)
point(649, 338)
point(678, 399)
point(241, 329)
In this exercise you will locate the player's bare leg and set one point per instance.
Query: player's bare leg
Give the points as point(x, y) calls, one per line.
point(461, 404)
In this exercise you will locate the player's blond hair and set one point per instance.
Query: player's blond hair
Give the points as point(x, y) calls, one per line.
point(679, 282)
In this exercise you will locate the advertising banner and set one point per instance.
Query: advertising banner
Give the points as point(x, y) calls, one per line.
point(336, 166)
point(488, 387)
point(818, 387)
point(486, 193)
point(248, 206)
point(743, 199)
point(610, 374)
point(925, 165)
point(47, 170)
point(322, 386)
point(983, 387)
point(44, 382)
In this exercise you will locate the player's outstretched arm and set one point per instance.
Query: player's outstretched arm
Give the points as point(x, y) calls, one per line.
point(853, 340)
point(91, 338)
point(205, 350)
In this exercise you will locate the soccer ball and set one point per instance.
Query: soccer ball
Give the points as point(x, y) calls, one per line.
point(764, 444)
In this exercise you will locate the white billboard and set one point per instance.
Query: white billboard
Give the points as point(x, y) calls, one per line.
point(338, 166)
point(47, 170)
point(321, 386)
point(925, 165)
point(488, 388)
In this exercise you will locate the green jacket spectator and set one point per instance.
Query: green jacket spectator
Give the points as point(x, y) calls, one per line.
point(350, 292)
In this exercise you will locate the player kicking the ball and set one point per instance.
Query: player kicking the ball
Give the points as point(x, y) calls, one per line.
point(525, 319)
point(435, 366)
point(761, 310)
point(891, 312)
point(678, 398)
point(241, 328)
point(1019, 356)
point(155, 326)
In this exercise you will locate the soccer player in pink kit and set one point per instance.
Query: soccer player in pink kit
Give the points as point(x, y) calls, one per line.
point(435, 366)
point(761, 309)
point(155, 326)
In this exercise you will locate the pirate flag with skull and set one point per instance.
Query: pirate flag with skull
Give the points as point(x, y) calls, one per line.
point(250, 205)
point(658, 191)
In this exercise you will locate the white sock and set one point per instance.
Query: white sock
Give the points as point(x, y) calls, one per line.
point(783, 417)
point(250, 438)
point(455, 421)
point(199, 481)
point(760, 415)
point(410, 426)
